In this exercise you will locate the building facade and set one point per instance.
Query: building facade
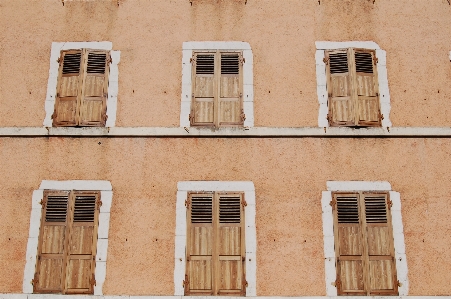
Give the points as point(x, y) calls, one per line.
point(225, 148)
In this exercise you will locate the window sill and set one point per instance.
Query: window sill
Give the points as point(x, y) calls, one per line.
point(180, 132)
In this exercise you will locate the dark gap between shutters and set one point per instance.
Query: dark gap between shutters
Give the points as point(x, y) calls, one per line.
point(96, 63)
point(229, 209)
point(56, 208)
point(338, 63)
point(84, 208)
point(71, 64)
point(348, 210)
point(375, 210)
point(205, 64)
point(230, 64)
point(364, 63)
point(201, 209)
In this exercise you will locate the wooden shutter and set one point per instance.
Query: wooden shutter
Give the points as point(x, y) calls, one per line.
point(95, 86)
point(230, 245)
point(68, 89)
point(381, 258)
point(82, 243)
point(230, 89)
point(339, 88)
point(349, 245)
point(366, 85)
point(204, 85)
point(52, 244)
point(199, 246)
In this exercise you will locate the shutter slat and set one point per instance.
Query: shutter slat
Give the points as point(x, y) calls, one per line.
point(71, 63)
point(205, 64)
point(230, 64)
point(347, 209)
point(201, 209)
point(364, 62)
point(229, 210)
point(338, 63)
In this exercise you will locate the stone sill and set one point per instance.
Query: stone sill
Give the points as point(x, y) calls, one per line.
point(58, 296)
point(272, 132)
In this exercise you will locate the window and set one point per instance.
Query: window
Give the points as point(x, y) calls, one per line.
point(67, 242)
point(82, 88)
point(353, 95)
point(217, 85)
point(352, 84)
point(364, 244)
point(215, 253)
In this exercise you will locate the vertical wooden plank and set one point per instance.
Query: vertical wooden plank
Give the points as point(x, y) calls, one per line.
point(203, 78)
point(230, 93)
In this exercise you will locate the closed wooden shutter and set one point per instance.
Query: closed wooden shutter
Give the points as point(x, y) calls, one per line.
point(215, 244)
point(52, 244)
point(82, 242)
point(339, 85)
point(364, 244)
point(204, 85)
point(367, 88)
point(95, 86)
point(230, 89)
point(69, 88)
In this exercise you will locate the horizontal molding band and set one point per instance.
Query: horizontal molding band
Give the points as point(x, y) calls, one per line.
point(57, 296)
point(259, 132)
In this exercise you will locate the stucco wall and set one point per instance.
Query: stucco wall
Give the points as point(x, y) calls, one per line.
point(282, 34)
point(288, 181)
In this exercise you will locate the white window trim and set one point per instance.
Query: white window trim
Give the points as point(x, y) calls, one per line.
point(106, 196)
point(113, 78)
point(321, 79)
point(328, 230)
point(250, 230)
point(248, 79)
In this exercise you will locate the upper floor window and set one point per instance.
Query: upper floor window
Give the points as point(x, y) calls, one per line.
point(82, 88)
point(217, 98)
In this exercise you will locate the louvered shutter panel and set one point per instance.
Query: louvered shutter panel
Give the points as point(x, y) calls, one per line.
point(230, 241)
point(82, 242)
point(95, 87)
point(68, 89)
point(52, 245)
point(349, 245)
point(202, 107)
point(366, 83)
point(382, 268)
point(230, 89)
point(339, 88)
point(199, 249)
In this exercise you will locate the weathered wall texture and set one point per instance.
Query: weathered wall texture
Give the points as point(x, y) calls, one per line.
point(282, 34)
point(288, 181)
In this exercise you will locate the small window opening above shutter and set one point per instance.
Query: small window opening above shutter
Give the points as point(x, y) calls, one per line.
point(96, 63)
point(205, 64)
point(364, 62)
point(229, 209)
point(230, 64)
point(71, 63)
point(56, 208)
point(348, 209)
point(338, 63)
point(201, 209)
point(375, 209)
point(84, 208)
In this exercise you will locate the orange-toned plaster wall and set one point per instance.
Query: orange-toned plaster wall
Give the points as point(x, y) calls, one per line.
point(282, 34)
point(289, 175)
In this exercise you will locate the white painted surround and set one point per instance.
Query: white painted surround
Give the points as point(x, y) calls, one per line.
point(106, 196)
point(113, 78)
point(321, 79)
point(250, 230)
point(248, 79)
point(328, 231)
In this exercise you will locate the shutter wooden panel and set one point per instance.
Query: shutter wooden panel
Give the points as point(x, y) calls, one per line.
point(382, 269)
point(339, 87)
point(202, 111)
point(349, 245)
point(82, 242)
point(230, 89)
point(199, 247)
point(95, 87)
point(366, 84)
point(230, 242)
point(52, 246)
point(68, 89)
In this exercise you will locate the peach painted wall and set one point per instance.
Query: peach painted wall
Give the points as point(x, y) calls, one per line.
point(282, 34)
point(288, 182)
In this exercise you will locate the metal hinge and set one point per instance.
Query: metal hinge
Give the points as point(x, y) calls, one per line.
point(243, 203)
point(328, 117)
point(242, 60)
point(35, 279)
point(242, 115)
point(192, 60)
point(110, 60)
point(187, 203)
point(326, 60)
point(375, 59)
point(333, 203)
point(186, 281)
point(99, 204)
point(93, 280)
point(337, 283)
point(389, 203)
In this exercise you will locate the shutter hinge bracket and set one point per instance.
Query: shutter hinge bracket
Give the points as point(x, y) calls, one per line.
point(110, 60)
point(375, 59)
point(35, 279)
point(190, 117)
point(326, 60)
point(398, 283)
point(389, 204)
point(59, 60)
point(333, 203)
point(243, 203)
point(245, 283)
point(93, 280)
point(42, 203)
point(187, 202)
point(337, 283)
point(186, 282)
point(242, 60)
point(192, 60)
point(242, 115)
